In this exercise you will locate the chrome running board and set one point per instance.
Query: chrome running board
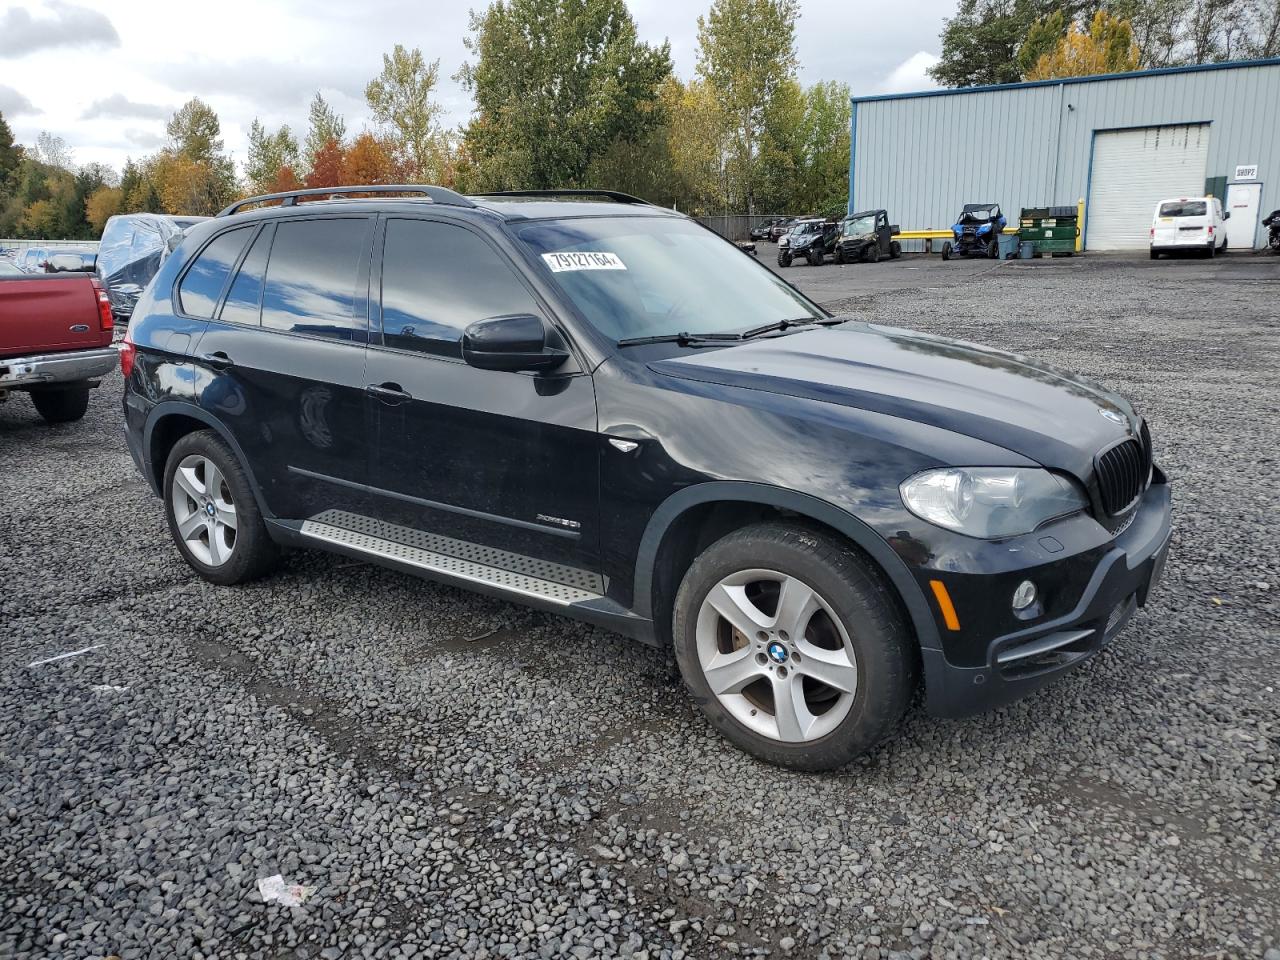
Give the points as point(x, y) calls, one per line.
point(454, 559)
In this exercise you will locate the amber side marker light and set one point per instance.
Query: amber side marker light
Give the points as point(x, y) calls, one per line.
point(945, 605)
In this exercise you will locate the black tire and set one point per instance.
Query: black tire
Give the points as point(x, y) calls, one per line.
point(784, 260)
point(882, 647)
point(254, 553)
point(946, 250)
point(1211, 250)
point(1273, 241)
point(871, 253)
point(839, 256)
point(61, 404)
point(895, 249)
point(1155, 254)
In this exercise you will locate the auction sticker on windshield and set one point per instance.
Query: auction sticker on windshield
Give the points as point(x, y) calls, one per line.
point(589, 260)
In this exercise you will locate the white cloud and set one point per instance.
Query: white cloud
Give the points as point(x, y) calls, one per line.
point(118, 105)
point(60, 25)
point(13, 102)
point(146, 139)
point(911, 75)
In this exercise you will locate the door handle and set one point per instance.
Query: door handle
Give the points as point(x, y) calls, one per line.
point(218, 360)
point(389, 393)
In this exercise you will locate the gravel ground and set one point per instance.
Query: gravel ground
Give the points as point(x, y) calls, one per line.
point(451, 775)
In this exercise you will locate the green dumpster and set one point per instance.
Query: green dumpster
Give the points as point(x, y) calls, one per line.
point(1053, 230)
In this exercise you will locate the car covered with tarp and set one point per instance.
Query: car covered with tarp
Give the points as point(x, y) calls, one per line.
point(132, 249)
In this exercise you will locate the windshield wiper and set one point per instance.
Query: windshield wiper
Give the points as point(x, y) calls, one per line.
point(684, 339)
point(788, 324)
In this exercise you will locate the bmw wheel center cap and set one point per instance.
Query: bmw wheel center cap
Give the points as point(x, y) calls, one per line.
point(777, 652)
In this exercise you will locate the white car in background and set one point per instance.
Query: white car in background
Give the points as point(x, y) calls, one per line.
point(1189, 223)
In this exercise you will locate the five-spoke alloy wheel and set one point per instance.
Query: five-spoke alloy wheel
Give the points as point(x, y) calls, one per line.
point(792, 645)
point(776, 656)
point(204, 510)
point(212, 513)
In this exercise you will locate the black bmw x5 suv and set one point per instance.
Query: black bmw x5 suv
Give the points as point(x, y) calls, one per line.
point(596, 406)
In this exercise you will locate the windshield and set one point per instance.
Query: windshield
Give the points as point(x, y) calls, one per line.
point(7, 269)
point(802, 228)
point(979, 213)
point(654, 276)
point(859, 225)
point(1183, 208)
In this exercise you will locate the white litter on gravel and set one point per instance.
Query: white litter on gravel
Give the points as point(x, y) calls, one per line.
point(289, 894)
point(63, 656)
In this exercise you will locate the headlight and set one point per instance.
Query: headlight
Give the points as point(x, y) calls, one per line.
point(991, 502)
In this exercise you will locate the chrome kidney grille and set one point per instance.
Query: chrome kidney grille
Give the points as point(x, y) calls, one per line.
point(1123, 471)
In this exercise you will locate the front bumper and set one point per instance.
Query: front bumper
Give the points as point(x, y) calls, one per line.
point(1018, 662)
point(21, 373)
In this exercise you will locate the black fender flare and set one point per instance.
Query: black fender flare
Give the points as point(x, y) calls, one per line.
point(715, 491)
point(168, 408)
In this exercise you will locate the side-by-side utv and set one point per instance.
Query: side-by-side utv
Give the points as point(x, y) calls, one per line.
point(976, 233)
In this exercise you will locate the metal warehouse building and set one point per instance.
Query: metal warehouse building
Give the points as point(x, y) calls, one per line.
point(1122, 142)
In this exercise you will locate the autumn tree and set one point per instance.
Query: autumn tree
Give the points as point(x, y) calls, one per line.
point(138, 191)
point(368, 160)
point(193, 174)
point(323, 125)
point(747, 55)
point(1107, 47)
point(556, 84)
point(268, 153)
point(103, 204)
point(328, 167)
point(402, 101)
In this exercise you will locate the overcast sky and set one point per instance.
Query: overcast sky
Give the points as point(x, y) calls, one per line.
point(105, 75)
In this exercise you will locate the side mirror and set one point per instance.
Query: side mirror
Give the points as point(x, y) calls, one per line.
point(515, 342)
point(1226, 214)
point(894, 230)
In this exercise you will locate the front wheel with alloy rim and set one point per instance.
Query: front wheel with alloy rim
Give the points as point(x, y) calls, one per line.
point(212, 514)
point(792, 646)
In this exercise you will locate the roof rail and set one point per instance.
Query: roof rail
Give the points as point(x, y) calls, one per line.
point(613, 195)
point(290, 198)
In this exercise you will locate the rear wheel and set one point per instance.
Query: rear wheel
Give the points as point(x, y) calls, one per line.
point(213, 517)
point(61, 404)
point(895, 249)
point(1155, 255)
point(839, 255)
point(946, 250)
point(815, 257)
point(792, 647)
point(1212, 249)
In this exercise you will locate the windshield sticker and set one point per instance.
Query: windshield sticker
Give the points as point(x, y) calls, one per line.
point(589, 260)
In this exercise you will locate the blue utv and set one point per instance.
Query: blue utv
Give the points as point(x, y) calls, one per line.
point(976, 233)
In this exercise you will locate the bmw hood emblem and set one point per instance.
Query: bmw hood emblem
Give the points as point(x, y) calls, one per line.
point(777, 652)
point(1113, 416)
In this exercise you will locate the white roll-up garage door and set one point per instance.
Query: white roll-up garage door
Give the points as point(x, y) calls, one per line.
point(1133, 170)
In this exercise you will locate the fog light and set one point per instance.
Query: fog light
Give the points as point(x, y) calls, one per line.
point(1024, 596)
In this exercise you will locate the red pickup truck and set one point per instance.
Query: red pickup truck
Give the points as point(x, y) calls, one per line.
point(55, 339)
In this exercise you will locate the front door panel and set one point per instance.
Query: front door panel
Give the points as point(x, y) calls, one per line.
point(507, 460)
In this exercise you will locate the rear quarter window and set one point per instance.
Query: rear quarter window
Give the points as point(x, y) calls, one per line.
point(201, 286)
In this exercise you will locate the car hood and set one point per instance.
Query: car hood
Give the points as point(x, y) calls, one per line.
point(1048, 415)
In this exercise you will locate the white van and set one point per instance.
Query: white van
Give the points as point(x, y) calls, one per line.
point(1189, 223)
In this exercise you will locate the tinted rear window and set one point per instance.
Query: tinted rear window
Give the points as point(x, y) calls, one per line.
point(312, 276)
point(1183, 208)
point(202, 285)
